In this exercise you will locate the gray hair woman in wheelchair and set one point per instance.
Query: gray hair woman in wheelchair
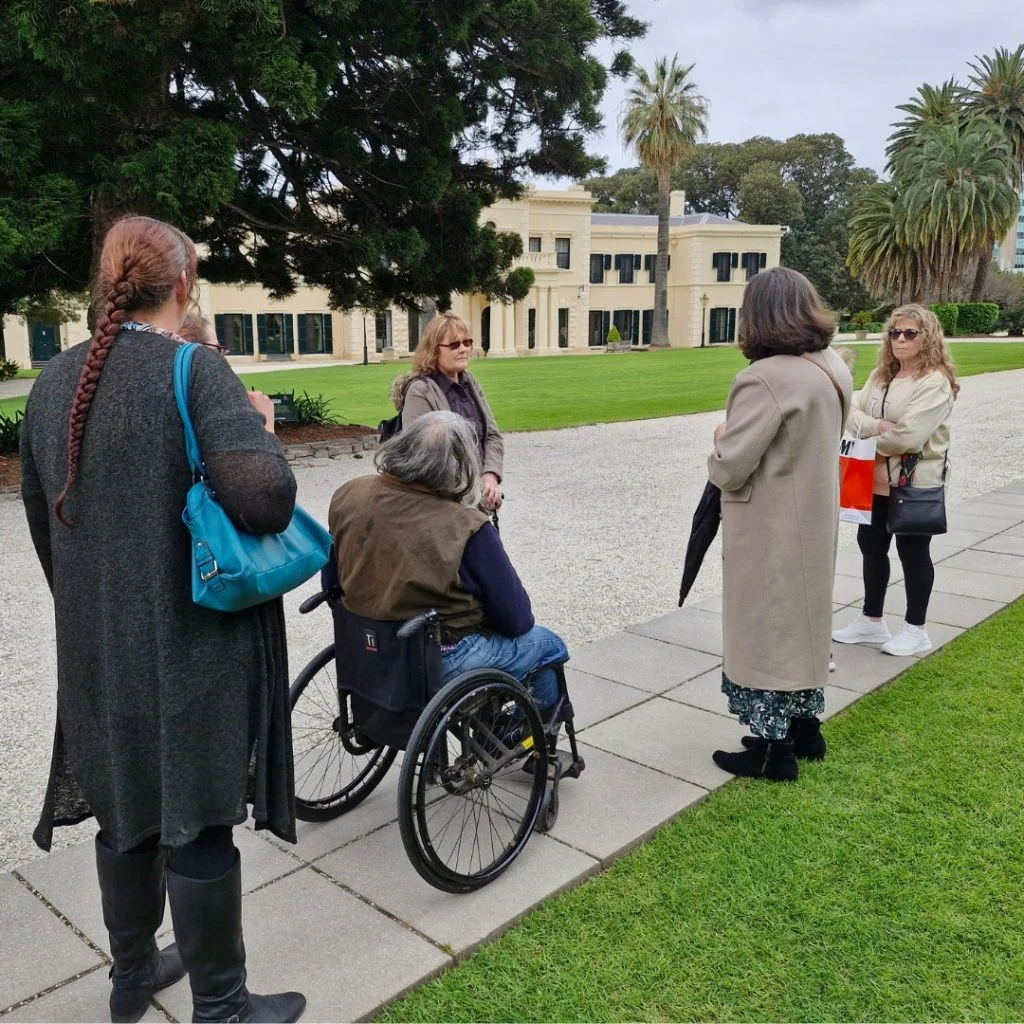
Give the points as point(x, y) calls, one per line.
point(411, 538)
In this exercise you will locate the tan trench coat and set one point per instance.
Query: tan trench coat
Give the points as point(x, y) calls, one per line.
point(777, 463)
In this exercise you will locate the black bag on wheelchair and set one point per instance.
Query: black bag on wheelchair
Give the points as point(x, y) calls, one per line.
point(391, 678)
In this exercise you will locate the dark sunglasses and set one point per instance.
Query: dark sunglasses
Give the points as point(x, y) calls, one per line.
point(222, 349)
point(454, 346)
point(910, 334)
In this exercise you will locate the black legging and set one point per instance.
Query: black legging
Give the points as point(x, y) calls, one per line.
point(918, 571)
point(210, 855)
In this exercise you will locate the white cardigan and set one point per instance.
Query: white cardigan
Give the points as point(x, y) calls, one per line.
point(921, 412)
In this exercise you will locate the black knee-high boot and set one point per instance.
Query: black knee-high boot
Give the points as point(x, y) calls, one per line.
point(132, 888)
point(763, 759)
point(805, 733)
point(207, 918)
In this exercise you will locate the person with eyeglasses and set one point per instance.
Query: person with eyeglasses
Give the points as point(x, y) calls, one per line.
point(197, 329)
point(907, 403)
point(440, 380)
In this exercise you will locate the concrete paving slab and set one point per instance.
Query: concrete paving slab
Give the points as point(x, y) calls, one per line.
point(837, 698)
point(847, 590)
point(1003, 544)
point(940, 635)
point(960, 539)
point(68, 880)
point(305, 933)
point(37, 949)
point(851, 563)
point(639, 661)
point(949, 609)
point(970, 583)
point(864, 668)
point(999, 564)
point(712, 604)
point(1006, 498)
point(1014, 531)
point(84, 999)
point(971, 523)
point(377, 867)
point(982, 506)
point(1015, 488)
point(595, 699)
point(695, 628)
point(703, 692)
point(671, 737)
point(615, 805)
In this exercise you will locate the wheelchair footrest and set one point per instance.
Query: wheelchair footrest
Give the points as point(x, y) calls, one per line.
point(571, 767)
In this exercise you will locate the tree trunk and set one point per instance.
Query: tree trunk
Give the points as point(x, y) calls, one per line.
point(3, 343)
point(659, 328)
point(981, 274)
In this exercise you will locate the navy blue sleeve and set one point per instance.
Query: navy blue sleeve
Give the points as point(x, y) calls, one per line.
point(487, 573)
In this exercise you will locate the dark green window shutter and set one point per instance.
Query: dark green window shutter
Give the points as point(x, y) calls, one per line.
point(607, 261)
point(303, 317)
point(731, 335)
point(247, 333)
point(648, 324)
point(218, 326)
point(328, 334)
point(261, 331)
point(289, 333)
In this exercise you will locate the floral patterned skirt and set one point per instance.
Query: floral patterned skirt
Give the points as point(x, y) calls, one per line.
point(768, 712)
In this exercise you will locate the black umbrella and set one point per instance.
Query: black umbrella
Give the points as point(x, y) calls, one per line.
point(702, 533)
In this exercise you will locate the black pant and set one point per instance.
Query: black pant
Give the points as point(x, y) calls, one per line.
point(210, 855)
point(918, 571)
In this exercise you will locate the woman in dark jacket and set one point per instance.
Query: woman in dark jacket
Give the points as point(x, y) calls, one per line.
point(170, 717)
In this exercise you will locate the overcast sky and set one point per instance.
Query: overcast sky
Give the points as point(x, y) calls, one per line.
point(782, 67)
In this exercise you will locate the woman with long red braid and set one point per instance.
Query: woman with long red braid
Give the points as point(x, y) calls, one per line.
point(171, 719)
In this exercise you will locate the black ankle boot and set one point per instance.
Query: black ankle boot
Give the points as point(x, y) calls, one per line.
point(805, 733)
point(132, 889)
point(764, 759)
point(207, 918)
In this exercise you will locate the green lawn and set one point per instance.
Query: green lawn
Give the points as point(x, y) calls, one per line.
point(541, 393)
point(884, 885)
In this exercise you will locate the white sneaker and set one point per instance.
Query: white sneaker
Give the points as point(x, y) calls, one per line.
point(863, 631)
point(831, 664)
point(908, 641)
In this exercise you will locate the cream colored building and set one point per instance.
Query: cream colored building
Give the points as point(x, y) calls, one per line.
point(592, 270)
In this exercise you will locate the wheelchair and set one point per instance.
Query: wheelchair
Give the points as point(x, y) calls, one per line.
point(480, 769)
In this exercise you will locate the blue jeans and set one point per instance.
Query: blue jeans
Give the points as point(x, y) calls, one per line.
point(518, 656)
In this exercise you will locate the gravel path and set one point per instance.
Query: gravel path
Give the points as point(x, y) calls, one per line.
point(595, 519)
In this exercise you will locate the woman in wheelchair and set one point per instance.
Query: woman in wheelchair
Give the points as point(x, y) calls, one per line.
point(411, 538)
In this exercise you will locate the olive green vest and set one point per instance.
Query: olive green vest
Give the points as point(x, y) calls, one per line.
point(399, 549)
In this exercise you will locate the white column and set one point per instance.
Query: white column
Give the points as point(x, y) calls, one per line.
point(508, 315)
point(552, 339)
point(541, 319)
point(497, 327)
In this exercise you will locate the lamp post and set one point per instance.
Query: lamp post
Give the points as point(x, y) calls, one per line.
point(366, 355)
point(703, 316)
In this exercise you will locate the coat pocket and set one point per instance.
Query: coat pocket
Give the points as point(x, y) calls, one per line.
point(742, 494)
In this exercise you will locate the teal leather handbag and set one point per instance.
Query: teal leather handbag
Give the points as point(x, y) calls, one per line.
point(233, 570)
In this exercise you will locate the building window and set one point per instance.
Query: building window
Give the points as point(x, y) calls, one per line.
point(274, 333)
point(626, 263)
point(598, 326)
point(316, 333)
point(722, 325)
point(628, 323)
point(651, 266)
point(648, 326)
point(597, 268)
point(234, 332)
point(562, 251)
point(535, 243)
point(382, 331)
point(753, 262)
point(722, 262)
point(563, 328)
point(531, 328)
point(415, 328)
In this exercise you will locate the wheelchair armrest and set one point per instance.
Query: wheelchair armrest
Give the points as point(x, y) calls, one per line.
point(311, 603)
point(414, 625)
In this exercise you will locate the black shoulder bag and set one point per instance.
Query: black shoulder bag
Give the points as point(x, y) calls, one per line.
point(915, 511)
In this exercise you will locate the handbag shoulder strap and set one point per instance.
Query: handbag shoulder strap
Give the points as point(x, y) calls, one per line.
point(828, 373)
point(182, 373)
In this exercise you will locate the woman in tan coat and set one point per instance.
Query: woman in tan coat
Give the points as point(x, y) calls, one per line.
point(776, 461)
point(907, 404)
point(440, 380)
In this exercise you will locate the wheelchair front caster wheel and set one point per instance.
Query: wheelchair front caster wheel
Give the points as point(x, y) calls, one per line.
point(548, 813)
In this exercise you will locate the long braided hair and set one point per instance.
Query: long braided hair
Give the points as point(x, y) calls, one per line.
point(140, 265)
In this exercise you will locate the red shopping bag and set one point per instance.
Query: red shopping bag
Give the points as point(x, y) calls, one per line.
point(857, 478)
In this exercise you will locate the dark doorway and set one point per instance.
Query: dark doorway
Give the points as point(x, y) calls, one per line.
point(485, 330)
point(44, 341)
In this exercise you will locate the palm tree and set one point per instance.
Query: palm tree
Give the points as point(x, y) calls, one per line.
point(958, 196)
point(878, 253)
point(664, 118)
point(999, 95)
point(934, 104)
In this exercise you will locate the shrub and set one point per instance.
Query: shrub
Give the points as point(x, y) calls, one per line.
point(871, 327)
point(947, 312)
point(977, 317)
point(8, 369)
point(315, 409)
point(10, 432)
point(613, 336)
point(861, 320)
point(1012, 321)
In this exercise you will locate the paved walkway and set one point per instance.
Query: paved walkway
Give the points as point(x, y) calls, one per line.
point(344, 917)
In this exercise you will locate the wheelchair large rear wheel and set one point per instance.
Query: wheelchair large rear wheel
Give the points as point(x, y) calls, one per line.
point(466, 808)
point(335, 767)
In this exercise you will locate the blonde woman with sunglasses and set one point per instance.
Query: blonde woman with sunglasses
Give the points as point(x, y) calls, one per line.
point(440, 380)
point(907, 403)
